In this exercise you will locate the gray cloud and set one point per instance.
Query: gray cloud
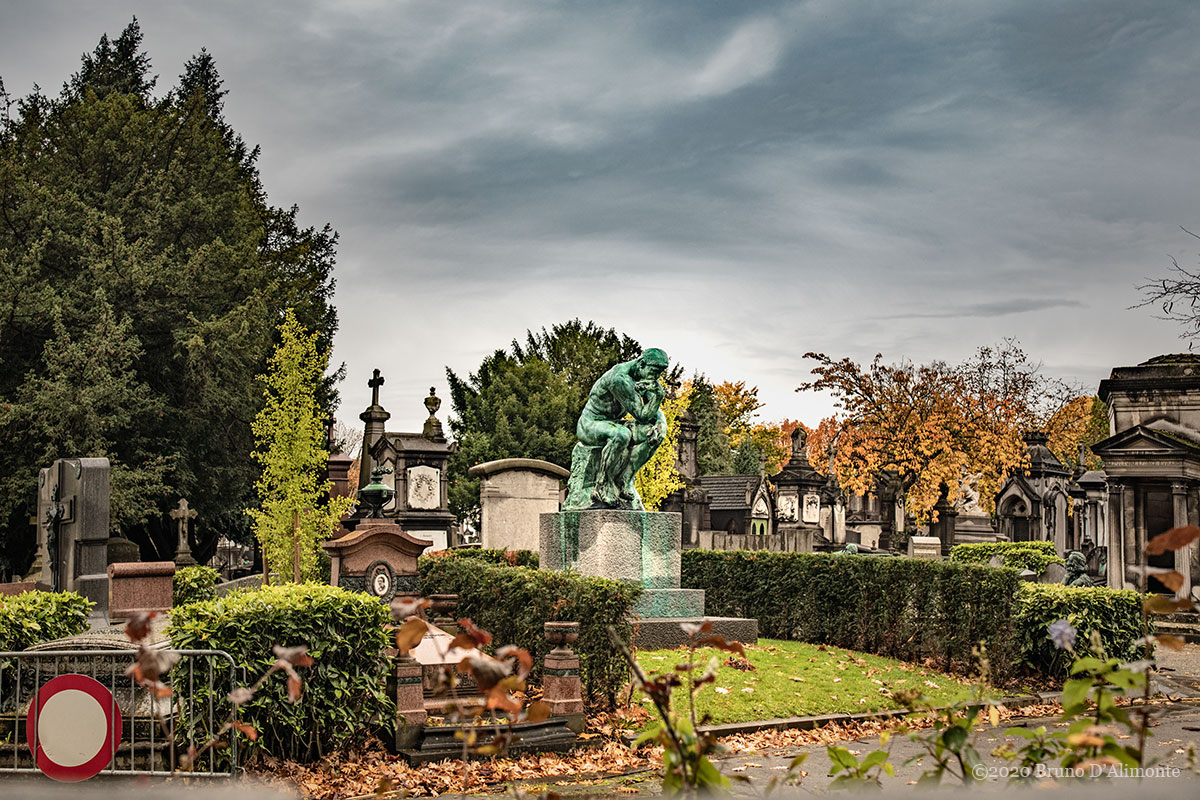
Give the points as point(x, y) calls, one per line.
point(739, 183)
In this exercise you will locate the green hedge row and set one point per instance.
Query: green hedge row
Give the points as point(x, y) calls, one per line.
point(1033, 556)
point(194, 585)
point(904, 608)
point(499, 557)
point(30, 618)
point(512, 603)
point(913, 608)
point(345, 692)
point(1115, 613)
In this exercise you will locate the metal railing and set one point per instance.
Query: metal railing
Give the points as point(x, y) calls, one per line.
point(155, 731)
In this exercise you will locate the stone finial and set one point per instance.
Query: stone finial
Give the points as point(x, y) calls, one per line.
point(375, 382)
point(433, 427)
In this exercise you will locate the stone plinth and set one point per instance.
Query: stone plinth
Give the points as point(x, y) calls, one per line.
point(410, 702)
point(13, 589)
point(638, 546)
point(377, 557)
point(512, 494)
point(924, 547)
point(136, 586)
point(562, 688)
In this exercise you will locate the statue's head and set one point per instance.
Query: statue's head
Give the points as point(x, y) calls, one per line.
point(650, 364)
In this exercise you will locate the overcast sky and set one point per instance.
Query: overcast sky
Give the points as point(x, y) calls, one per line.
point(736, 182)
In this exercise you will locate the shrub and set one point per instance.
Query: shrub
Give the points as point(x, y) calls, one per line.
point(503, 558)
point(513, 602)
point(1115, 613)
point(345, 691)
point(30, 618)
point(1033, 556)
point(905, 608)
point(193, 585)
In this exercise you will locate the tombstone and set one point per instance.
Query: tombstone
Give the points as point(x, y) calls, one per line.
point(73, 529)
point(1054, 573)
point(512, 493)
point(139, 587)
point(377, 557)
point(183, 551)
point(924, 547)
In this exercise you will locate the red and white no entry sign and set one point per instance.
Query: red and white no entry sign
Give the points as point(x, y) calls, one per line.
point(73, 728)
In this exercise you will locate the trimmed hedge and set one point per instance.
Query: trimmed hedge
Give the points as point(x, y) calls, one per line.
point(906, 608)
point(499, 557)
point(194, 585)
point(512, 603)
point(345, 691)
point(1033, 556)
point(1115, 613)
point(30, 618)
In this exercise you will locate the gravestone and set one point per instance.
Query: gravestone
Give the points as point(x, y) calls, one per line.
point(513, 493)
point(1054, 573)
point(377, 557)
point(73, 529)
point(924, 547)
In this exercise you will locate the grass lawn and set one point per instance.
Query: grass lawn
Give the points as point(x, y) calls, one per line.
point(792, 679)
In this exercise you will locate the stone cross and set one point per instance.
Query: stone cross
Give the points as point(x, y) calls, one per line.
point(183, 553)
point(375, 382)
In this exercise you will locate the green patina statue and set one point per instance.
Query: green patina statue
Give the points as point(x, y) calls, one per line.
point(620, 428)
point(1076, 567)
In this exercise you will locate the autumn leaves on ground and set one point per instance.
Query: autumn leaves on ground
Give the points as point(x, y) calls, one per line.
point(776, 679)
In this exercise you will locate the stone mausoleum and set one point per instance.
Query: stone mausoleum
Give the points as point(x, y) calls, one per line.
point(1152, 467)
point(415, 465)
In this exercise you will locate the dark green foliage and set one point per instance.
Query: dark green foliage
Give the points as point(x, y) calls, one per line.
point(512, 603)
point(142, 273)
point(194, 585)
point(714, 455)
point(524, 403)
point(504, 558)
point(1115, 613)
point(1033, 556)
point(345, 692)
point(912, 609)
point(30, 618)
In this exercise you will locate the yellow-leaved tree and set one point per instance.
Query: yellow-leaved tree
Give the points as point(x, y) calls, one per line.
point(659, 476)
point(292, 448)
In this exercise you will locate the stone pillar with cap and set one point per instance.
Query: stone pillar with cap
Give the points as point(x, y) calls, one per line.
point(373, 418)
point(410, 702)
point(562, 688)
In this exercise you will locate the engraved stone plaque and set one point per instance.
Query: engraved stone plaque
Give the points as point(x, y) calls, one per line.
point(424, 487)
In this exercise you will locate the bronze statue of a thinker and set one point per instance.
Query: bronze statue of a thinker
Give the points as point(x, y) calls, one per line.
point(620, 428)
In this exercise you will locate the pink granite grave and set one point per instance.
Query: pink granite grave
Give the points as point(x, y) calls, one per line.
point(139, 586)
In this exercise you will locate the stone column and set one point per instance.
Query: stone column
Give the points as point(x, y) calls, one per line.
point(1129, 535)
point(562, 689)
point(1183, 560)
point(410, 702)
point(1116, 536)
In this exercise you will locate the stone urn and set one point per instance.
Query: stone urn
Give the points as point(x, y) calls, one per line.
point(561, 635)
point(443, 607)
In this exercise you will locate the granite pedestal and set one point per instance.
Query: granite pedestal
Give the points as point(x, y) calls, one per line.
point(639, 546)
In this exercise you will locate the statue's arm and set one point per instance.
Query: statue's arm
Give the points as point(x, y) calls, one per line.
point(644, 411)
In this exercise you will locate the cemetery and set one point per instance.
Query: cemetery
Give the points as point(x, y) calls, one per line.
point(578, 568)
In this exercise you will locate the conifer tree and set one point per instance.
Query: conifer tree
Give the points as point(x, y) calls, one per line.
point(290, 433)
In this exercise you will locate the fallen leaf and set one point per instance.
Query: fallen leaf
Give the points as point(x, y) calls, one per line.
point(1174, 539)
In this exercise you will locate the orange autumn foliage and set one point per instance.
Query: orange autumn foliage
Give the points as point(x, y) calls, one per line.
point(928, 426)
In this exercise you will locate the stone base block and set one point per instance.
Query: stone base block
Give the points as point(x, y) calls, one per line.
point(669, 603)
point(641, 546)
point(439, 743)
point(134, 586)
point(666, 634)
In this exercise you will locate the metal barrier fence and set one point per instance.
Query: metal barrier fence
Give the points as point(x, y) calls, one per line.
point(156, 731)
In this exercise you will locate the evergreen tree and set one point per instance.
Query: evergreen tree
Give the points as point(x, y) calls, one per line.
point(713, 453)
point(291, 447)
point(525, 404)
point(144, 217)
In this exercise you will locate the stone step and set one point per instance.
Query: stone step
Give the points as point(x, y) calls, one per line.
point(1189, 632)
